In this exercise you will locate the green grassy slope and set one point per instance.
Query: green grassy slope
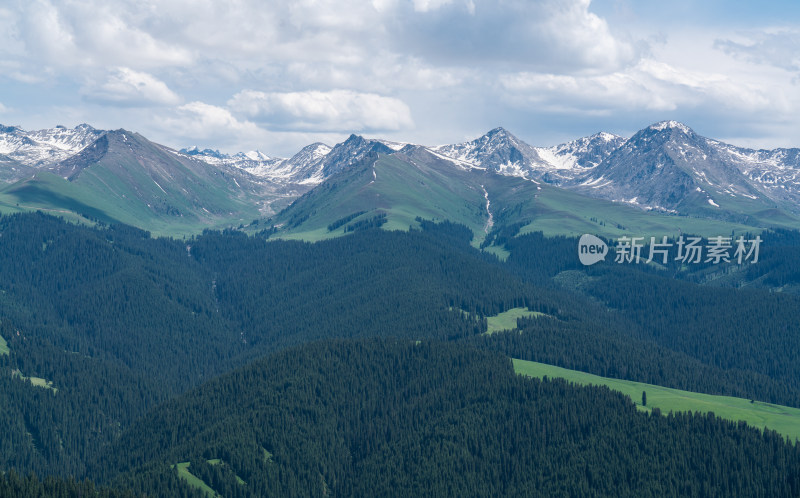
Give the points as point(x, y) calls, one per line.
point(561, 212)
point(507, 320)
point(407, 186)
point(194, 481)
point(783, 419)
point(80, 202)
point(395, 185)
point(126, 178)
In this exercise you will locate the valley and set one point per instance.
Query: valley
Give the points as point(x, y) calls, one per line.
point(344, 321)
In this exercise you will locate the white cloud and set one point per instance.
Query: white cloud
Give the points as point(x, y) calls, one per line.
point(200, 120)
point(322, 68)
point(127, 87)
point(427, 5)
point(146, 35)
point(209, 126)
point(386, 74)
point(553, 36)
point(46, 35)
point(776, 47)
point(74, 34)
point(323, 111)
point(650, 85)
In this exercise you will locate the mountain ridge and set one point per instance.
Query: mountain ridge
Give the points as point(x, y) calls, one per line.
point(665, 167)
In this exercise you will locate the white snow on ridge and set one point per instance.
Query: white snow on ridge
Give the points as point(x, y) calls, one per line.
point(594, 182)
point(555, 161)
point(663, 125)
point(41, 148)
point(711, 201)
point(256, 155)
point(395, 146)
point(461, 163)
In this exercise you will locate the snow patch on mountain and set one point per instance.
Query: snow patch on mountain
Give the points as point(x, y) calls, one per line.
point(303, 168)
point(658, 168)
point(664, 125)
point(41, 148)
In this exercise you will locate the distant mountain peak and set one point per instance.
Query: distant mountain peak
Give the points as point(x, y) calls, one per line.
point(41, 148)
point(349, 152)
point(196, 151)
point(604, 135)
point(671, 125)
point(498, 131)
point(9, 129)
point(354, 138)
point(500, 135)
point(256, 155)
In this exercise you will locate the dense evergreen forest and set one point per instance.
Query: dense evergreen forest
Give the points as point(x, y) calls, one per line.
point(107, 328)
point(14, 485)
point(390, 417)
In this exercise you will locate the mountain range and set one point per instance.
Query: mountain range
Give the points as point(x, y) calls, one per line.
point(666, 170)
point(395, 361)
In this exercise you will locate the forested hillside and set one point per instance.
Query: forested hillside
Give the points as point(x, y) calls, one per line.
point(119, 322)
point(397, 418)
point(103, 325)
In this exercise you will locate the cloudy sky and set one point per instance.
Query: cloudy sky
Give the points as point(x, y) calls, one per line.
point(239, 75)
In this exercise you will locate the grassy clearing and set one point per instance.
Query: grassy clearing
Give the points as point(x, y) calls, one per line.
point(36, 381)
point(783, 419)
point(194, 481)
point(507, 320)
point(3, 346)
point(501, 253)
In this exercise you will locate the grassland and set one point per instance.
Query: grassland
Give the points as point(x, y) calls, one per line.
point(562, 212)
point(3, 346)
point(400, 189)
point(507, 320)
point(785, 420)
point(36, 381)
point(101, 196)
point(194, 481)
point(197, 483)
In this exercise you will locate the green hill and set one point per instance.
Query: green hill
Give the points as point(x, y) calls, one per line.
point(394, 418)
point(406, 186)
point(123, 177)
point(124, 324)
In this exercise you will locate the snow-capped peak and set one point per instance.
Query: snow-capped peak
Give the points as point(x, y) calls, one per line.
point(606, 137)
point(498, 132)
point(256, 155)
point(41, 148)
point(395, 146)
point(663, 125)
